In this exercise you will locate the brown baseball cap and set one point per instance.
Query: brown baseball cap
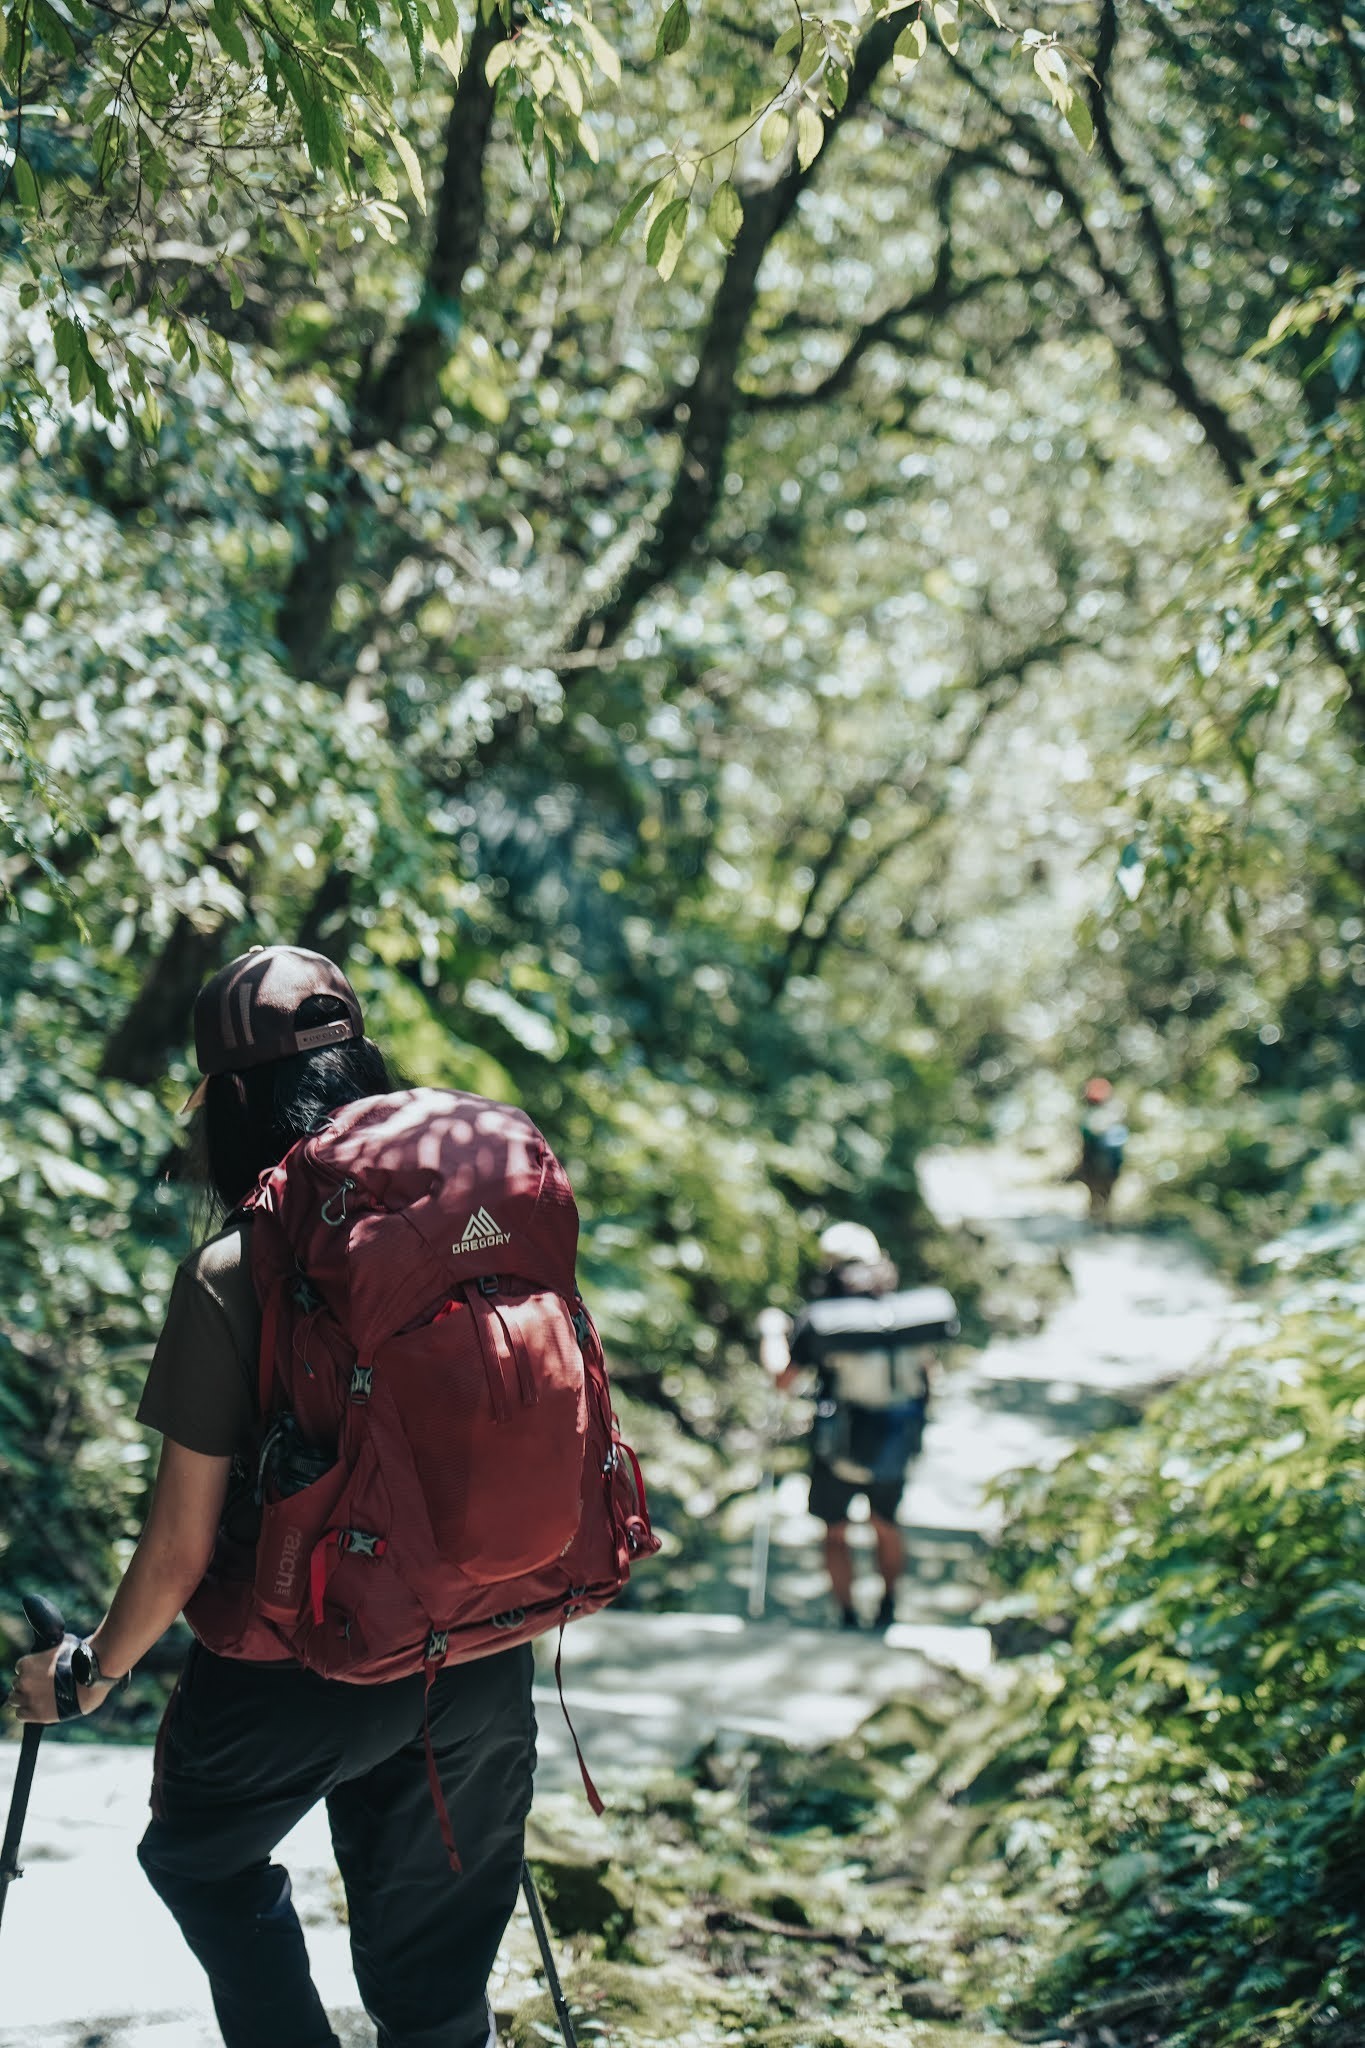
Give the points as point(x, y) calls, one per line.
point(246, 1014)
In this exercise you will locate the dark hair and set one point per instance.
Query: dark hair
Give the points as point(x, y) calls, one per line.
point(251, 1119)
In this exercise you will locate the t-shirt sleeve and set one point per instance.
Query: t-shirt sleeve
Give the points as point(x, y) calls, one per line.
point(199, 1390)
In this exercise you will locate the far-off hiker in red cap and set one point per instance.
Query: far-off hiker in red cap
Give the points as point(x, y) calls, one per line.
point(389, 1461)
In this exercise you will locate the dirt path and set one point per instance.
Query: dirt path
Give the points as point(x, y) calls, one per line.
point(90, 1959)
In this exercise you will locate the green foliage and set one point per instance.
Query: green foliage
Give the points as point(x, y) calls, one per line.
point(822, 51)
point(89, 1235)
point(1204, 1723)
point(148, 153)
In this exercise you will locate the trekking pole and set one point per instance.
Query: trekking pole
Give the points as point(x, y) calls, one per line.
point(528, 1885)
point(773, 1326)
point(49, 1631)
point(758, 1556)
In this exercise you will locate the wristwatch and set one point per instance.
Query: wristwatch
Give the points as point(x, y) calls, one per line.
point(85, 1668)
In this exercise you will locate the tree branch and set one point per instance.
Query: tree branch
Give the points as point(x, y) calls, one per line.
point(1130, 186)
point(400, 390)
point(712, 400)
point(998, 684)
point(395, 393)
point(1160, 358)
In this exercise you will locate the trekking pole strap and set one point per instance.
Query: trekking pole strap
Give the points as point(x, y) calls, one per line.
point(562, 2014)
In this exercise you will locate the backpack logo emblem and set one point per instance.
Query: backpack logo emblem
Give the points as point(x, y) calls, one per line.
point(482, 1233)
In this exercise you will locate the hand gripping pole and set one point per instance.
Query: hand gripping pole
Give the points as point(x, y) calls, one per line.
point(48, 1632)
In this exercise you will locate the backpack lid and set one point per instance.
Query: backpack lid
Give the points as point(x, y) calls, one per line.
point(922, 1315)
point(401, 1200)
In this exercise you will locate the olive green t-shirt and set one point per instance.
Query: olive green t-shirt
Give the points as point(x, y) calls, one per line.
point(201, 1387)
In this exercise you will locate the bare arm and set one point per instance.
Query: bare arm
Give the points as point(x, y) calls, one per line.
point(171, 1558)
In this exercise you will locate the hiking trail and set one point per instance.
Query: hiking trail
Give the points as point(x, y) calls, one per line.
point(92, 1960)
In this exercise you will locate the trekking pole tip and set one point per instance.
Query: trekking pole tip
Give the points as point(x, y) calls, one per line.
point(45, 1620)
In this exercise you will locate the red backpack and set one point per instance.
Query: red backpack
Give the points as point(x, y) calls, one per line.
point(441, 1474)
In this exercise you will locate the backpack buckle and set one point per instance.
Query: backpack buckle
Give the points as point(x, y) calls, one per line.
point(356, 1543)
point(487, 1285)
point(362, 1382)
point(513, 1618)
point(437, 1642)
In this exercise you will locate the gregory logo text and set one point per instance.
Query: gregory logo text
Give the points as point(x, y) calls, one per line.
point(481, 1233)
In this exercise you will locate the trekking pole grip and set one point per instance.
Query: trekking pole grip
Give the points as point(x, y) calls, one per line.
point(45, 1620)
point(49, 1630)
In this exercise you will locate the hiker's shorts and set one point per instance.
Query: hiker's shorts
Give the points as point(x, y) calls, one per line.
point(862, 1450)
point(831, 1497)
point(246, 1749)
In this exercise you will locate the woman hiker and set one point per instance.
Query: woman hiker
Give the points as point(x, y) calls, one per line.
point(246, 1748)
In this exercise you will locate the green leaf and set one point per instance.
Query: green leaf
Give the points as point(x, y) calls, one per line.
point(673, 242)
point(68, 341)
point(378, 168)
point(552, 183)
point(1050, 65)
point(636, 201)
point(228, 32)
point(570, 81)
point(78, 383)
point(105, 402)
point(28, 294)
point(774, 133)
point(788, 40)
point(604, 53)
point(674, 30)
point(725, 215)
point(524, 123)
point(1078, 119)
point(813, 59)
point(499, 59)
point(660, 228)
point(53, 29)
point(911, 44)
point(407, 156)
point(25, 185)
point(945, 21)
point(810, 135)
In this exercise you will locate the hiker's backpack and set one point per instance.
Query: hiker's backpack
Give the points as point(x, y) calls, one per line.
point(870, 1349)
point(439, 1468)
point(871, 1352)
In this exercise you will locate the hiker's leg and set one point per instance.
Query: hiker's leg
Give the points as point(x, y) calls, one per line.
point(839, 1564)
point(890, 1553)
point(830, 1500)
point(424, 1937)
point(235, 1771)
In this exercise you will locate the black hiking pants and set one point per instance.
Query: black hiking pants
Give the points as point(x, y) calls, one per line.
point(247, 1749)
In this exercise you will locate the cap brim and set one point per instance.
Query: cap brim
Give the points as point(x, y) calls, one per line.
point(196, 1100)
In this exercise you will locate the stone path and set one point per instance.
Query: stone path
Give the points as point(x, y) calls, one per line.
point(89, 1958)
